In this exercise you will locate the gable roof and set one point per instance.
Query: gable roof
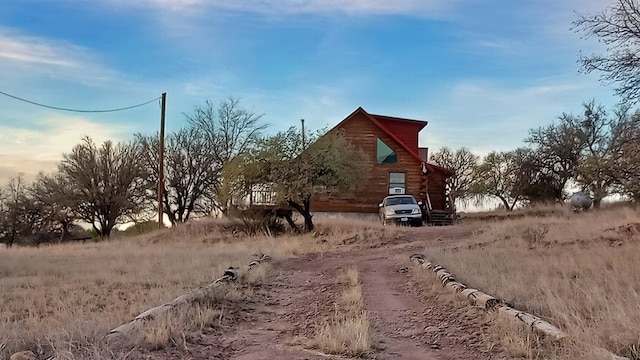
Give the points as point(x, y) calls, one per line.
point(378, 120)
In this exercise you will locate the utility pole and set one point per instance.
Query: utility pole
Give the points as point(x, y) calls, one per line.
point(303, 142)
point(163, 107)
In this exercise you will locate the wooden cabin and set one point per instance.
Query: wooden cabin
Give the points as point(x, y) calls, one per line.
point(395, 163)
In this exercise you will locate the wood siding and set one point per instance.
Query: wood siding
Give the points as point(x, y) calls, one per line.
point(363, 133)
point(437, 189)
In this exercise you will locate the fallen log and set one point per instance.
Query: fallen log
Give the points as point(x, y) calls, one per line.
point(124, 331)
point(478, 298)
point(455, 286)
point(488, 302)
point(533, 322)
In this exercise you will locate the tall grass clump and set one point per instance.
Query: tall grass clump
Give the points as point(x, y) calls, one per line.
point(348, 332)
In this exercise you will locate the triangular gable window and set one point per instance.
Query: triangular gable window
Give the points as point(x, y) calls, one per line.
point(385, 154)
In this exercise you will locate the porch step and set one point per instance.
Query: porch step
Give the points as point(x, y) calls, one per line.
point(440, 217)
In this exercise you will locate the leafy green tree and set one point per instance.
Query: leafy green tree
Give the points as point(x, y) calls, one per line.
point(295, 173)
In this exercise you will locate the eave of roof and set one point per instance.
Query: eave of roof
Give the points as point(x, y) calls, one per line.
point(420, 123)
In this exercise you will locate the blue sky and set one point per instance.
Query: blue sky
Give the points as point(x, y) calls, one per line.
point(481, 72)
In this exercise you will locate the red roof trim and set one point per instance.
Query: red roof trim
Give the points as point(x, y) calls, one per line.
point(373, 119)
point(421, 123)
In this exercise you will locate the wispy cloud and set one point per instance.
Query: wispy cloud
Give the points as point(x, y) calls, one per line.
point(275, 7)
point(51, 57)
point(37, 50)
point(487, 115)
point(31, 52)
point(40, 147)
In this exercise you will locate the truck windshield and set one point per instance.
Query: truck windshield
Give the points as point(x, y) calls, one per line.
point(401, 201)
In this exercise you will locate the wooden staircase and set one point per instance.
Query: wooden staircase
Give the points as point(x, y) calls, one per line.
point(440, 217)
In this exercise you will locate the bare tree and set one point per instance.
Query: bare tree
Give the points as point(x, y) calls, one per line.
point(105, 183)
point(618, 27)
point(4, 216)
point(625, 147)
point(34, 213)
point(230, 129)
point(4, 212)
point(197, 157)
point(192, 173)
point(593, 149)
point(498, 176)
point(558, 148)
point(535, 182)
point(463, 162)
point(595, 171)
point(14, 222)
point(52, 196)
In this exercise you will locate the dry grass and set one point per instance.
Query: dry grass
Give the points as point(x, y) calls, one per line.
point(65, 298)
point(333, 232)
point(349, 331)
point(581, 272)
point(177, 327)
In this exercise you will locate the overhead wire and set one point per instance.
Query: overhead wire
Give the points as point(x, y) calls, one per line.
point(78, 110)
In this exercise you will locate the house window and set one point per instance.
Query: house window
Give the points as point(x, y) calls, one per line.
point(385, 154)
point(396, 183)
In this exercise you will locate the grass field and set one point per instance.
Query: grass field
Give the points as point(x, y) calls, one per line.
point(579, 271)
point(65, 298)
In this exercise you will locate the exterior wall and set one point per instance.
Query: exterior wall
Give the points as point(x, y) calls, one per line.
point(436, 190)
point(362, 133)
point(328, 216)
point(424, 153)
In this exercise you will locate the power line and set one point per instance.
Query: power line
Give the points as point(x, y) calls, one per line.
point(76, 110)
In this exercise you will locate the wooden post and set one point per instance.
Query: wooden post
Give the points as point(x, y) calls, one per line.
point(303, 140)
point(163, 107)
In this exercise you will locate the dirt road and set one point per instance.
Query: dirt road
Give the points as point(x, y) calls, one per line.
point(410, 320)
